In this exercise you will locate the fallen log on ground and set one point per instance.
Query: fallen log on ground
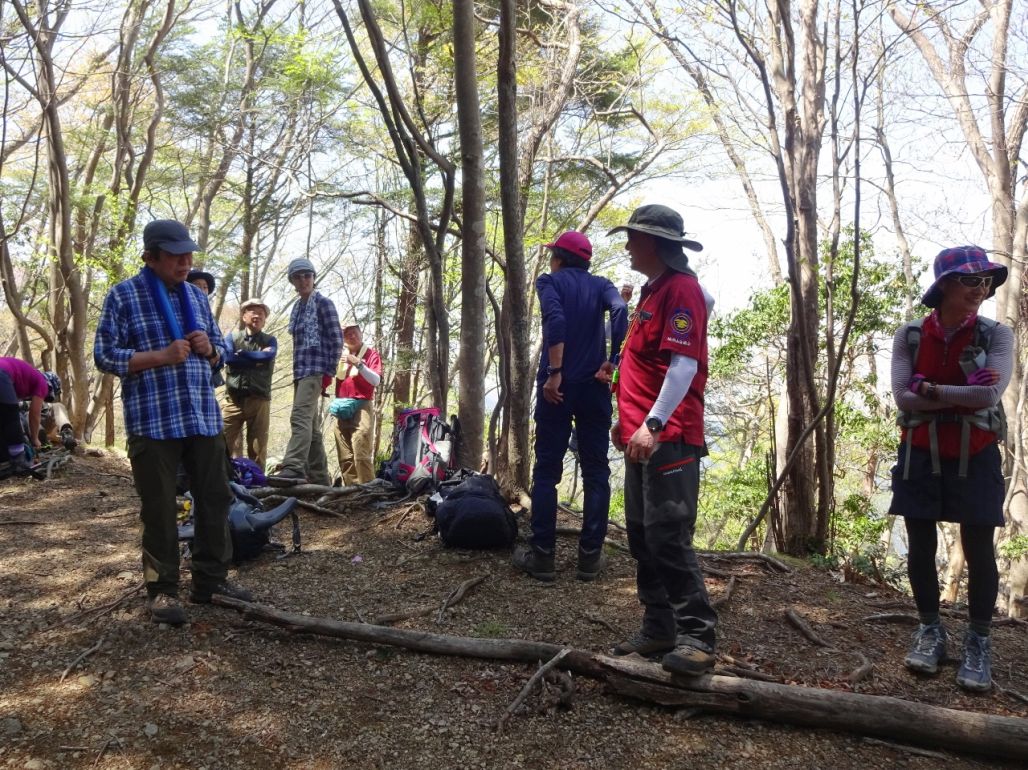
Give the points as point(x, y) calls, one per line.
point(875, 715)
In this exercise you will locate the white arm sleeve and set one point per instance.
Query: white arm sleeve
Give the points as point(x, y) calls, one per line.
point(676, 385)
point(370, 375)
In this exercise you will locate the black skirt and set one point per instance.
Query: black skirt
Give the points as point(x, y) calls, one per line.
point(976, 499)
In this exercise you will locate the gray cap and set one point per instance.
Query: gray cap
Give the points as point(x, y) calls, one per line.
point(254, 302)
point(299, 265)
point(659, 221)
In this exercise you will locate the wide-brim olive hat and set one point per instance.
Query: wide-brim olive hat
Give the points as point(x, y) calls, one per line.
point(962, 260)
point(661, 222)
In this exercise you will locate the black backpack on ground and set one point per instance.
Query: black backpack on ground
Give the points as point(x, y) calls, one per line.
point(471, 513)
point(250, 525)
point(423, 448)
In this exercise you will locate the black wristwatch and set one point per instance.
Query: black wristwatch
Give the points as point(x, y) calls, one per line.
point(552, 370)
point(654, 425)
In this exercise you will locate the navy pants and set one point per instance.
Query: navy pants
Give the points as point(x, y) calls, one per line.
point(660, 513)
point(588, 405)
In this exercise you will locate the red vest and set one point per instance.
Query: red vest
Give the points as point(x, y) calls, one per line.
point(939, 362)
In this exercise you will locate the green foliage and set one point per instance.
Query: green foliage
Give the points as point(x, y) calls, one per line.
point(1015, 548)
point(730, 496)
point(739, 336)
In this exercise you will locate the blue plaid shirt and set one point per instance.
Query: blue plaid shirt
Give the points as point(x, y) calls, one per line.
point(323, 358)
point(165, 402)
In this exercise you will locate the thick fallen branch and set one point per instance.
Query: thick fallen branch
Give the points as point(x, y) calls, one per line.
point(874, 715)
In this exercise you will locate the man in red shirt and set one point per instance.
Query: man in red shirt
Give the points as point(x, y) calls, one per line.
point(360, 371)
point(659, 387)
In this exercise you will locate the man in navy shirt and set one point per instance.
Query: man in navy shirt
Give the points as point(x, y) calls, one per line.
point(157, 334)
point(574, 370)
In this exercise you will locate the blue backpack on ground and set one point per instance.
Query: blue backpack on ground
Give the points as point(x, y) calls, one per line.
point(470, 512)
point(250, 525)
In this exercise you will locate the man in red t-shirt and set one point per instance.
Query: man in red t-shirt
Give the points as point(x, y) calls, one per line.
point(659, 387)
point(360, 371)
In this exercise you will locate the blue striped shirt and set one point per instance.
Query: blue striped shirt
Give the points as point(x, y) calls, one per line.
point(165, 402)
point(316, 350)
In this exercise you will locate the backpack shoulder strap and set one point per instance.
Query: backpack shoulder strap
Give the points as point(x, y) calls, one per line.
point(983, 330)
point(913, 334)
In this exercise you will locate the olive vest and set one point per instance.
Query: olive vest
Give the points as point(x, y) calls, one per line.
point(250, 381)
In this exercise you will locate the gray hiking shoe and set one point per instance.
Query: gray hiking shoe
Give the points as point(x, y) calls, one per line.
point(202, 594)
point(929, 648)
point(975, 672)
point(643, 644)
point(591, 564)
point(536, 563)
point(165, 608)
point(690, 657)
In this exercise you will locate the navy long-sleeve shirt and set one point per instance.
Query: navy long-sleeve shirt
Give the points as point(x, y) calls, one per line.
point(573, 304)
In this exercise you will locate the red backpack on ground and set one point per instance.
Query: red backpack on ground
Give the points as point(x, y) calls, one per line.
point(424, 447)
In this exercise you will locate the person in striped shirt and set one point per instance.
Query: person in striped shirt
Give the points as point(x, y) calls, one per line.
point(157, 334)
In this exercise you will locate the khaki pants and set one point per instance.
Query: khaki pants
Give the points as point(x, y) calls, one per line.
point(254, 413)
point(355, 439)
point(306, 450)
point(154, 469)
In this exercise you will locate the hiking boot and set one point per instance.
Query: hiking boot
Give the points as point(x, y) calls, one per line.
point(203, 594)
point(975, 672)
point(643, 644)
point(288, 474)
point(691, 657)
point(591, 564)
point(536, 563)
point(929, 648)
point(68, 438)
point(165, 608)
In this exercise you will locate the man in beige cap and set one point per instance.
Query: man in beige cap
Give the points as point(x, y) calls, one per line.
point(250, 359)
point(359, 372)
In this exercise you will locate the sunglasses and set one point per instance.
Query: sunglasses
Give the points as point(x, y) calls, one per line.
point(974, 281)
point(303, 274)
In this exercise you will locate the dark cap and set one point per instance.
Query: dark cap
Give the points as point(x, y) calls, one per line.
point(661, 222)
point(194, 274)
point(169, 235)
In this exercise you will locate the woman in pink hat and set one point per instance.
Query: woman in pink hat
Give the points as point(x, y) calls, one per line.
point(949, 371)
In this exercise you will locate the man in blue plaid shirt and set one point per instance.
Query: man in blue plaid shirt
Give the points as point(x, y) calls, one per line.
point(157, 334)
point(317, 345)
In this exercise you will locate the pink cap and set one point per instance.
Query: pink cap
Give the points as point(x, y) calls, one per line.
point(575, 242)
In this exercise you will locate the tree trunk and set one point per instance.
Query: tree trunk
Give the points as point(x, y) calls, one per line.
point(471, 404)
point(515, 342)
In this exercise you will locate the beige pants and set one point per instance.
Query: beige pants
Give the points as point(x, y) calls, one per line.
point(255, 415)
point(354, 446)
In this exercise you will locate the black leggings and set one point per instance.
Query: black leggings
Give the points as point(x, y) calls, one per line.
point(10, 428)
point(982, 572)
